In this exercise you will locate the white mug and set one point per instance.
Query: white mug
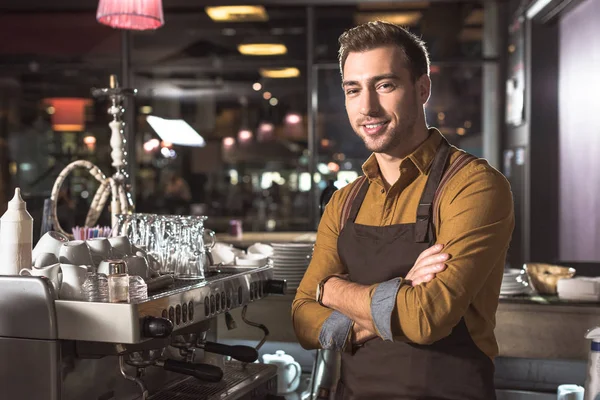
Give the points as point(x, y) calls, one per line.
point(52, 272)
point(75, 252)
point(570, 392)
point(137, 265)
point(73, 277)
point(50, 242)
point(45, 260)
point(100, 248)
point(121, 246)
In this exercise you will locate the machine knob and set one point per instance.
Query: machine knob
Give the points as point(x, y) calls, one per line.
point(274, 286)
point(153, 327)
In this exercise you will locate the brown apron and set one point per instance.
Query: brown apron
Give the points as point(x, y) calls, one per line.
point(453, 368)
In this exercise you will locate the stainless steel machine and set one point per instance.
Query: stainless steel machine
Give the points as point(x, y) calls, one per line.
point(162, 348)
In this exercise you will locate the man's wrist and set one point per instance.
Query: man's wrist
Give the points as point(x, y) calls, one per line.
point(321, 288)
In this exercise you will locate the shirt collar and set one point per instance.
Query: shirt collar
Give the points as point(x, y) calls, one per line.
point(422, 157)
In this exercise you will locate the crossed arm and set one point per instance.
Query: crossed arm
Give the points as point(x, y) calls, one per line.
point(475, 225)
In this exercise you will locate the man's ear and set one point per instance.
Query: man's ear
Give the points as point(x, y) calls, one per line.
point(423, 85)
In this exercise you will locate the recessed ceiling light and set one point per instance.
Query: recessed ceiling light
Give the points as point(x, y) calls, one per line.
point(237, 13)
point(279, 72)
point(262, 49)
point(398, 18)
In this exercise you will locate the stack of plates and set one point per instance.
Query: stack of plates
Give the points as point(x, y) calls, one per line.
point(514, 282)
point(290, 261)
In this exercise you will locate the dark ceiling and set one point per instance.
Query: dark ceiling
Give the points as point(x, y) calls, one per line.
point(56, 47)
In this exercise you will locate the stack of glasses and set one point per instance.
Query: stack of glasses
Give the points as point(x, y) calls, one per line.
point(176, 241)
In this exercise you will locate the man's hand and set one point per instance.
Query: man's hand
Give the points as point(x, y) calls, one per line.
point(361, 335)
point(430, 262)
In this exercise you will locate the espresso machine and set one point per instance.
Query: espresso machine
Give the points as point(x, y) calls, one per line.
point(161, 348)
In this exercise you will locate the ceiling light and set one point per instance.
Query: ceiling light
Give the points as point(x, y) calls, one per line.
point(273, 101)
point(257, 86)
point(244, 135)
point(228, 141)
point(267, 95)
point(237, 13)
point(131, 14)
point(262, 49)
point(293, 118)
point(176, 131)
point(398, 18)
point(279, 72)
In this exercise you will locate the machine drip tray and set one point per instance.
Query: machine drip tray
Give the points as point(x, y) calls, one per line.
point(240, 381)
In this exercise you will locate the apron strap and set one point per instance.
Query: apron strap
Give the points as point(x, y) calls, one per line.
point(347, 206)
point(424, 210)
point(462, 160)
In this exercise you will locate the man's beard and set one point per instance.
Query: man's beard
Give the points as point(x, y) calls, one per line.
point(389, 139)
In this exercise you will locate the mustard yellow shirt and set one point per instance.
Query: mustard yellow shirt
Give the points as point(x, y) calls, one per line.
point(475, 224)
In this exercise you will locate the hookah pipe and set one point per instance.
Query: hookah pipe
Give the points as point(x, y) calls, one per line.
point(114, 186)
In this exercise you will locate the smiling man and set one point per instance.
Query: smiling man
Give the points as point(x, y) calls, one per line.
point(408, 263)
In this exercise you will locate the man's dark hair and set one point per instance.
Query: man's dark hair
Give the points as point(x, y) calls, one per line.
point(377, 34)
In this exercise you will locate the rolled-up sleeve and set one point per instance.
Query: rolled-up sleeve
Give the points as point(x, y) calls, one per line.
point(475, 225)
point(335, 332)
point(383, 302)
point(308, 316)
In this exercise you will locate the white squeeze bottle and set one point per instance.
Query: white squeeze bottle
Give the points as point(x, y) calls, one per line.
point(16, 237)
point(592, 382)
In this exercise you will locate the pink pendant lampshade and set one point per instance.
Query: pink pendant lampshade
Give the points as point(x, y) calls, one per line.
point(139, 15)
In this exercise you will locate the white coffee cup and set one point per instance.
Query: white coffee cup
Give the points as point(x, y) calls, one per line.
point(50, 242)
point(100, 248)
point(73, 277)
point(121, 246)
point(52, 272)
point(137, 265)
point(75, 252)
point(45, 260)
point(261, 248)
point(570, 392)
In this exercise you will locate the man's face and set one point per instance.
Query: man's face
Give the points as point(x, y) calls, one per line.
point(382, 101)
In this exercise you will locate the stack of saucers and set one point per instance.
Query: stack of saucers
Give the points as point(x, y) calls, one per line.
point(290, 261)
point(514, 282)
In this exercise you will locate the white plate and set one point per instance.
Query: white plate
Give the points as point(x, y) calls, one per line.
point(292, 245)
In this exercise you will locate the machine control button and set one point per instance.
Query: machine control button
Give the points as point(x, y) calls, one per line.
point(212, 304)
point(206, 307)
point(164, 314)
point(229, 296)
point(223, 301)
point(240, 297)
point(251, 291)
point(184, 312)
point(172, 314)
point(218, 301)
point(191, 310)
point(178, 314)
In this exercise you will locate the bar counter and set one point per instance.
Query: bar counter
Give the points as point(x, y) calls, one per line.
point(249, 238)
point(544, 327)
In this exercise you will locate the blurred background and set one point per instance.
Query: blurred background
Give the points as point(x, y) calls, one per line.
point(260, 86)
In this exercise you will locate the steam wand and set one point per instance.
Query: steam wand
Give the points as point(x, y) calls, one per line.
point(256, 325)
point(131, 378)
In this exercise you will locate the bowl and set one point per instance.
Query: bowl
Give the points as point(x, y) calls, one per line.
point(544, 278)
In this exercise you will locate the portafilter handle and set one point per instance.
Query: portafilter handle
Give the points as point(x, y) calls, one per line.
point(205, 372)
point(245, 354)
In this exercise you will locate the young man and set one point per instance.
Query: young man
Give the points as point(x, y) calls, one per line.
point(408, 263)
